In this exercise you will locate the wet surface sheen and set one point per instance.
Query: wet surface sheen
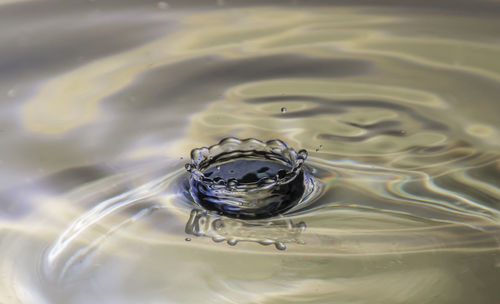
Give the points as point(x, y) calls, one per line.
point(395, 101)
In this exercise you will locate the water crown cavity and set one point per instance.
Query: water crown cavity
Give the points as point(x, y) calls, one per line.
point(247, 179)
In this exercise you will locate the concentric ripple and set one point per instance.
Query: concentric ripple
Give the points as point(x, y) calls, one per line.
point(395, 102)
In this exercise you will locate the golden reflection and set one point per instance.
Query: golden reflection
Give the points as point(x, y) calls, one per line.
point(72, 99)
point(338, 89)
point(402, 204)
point(453, 54)
point(341, 132)
point(480, 130)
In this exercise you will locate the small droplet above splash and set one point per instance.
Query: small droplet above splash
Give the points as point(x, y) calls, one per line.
point(187, 239)
point(283, 110)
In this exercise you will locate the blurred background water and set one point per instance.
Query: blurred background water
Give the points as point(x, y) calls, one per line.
point(396, 102)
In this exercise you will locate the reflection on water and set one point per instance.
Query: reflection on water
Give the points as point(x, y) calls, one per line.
point(265, 232)
point(396, 103)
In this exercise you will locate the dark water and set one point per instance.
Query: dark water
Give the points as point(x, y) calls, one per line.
point(249, 179)
point(246, 171)
point(395, 101)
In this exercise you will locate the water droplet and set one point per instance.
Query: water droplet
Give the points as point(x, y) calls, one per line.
point(218, 239)
point(317, 150)
point(162, 5)
point(280, 246)
point(188, 167)
point(266, 242)
point(217, 168)
point(187, 239)
point(283, 110)
point(232, 242)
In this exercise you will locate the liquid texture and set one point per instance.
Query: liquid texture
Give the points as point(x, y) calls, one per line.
point(396, 103)
point(248, 179)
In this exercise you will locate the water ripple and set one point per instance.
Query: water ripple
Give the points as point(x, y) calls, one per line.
point(396, 105)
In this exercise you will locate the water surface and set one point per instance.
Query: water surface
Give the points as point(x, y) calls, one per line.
point(395, 101)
